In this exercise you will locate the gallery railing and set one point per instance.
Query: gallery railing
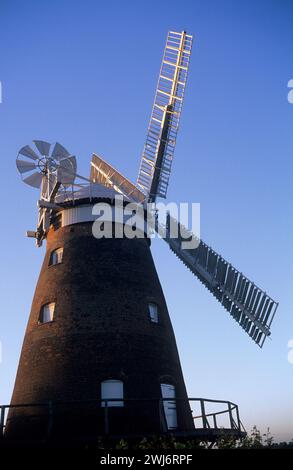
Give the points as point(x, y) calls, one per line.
point(208, 417)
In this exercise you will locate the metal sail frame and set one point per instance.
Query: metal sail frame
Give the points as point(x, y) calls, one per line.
point(156, 161)
point(249, 305)
point(105, 174)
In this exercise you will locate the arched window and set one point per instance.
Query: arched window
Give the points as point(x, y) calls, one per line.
point(153, 312)
point(47, 313)
point(168, 392)
point(112, 389)
point(56, 256)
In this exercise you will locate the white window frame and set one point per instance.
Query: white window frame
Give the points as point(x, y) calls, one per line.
point(47, 313)
point(112, 388)
point(56, 256)
point(153, 312)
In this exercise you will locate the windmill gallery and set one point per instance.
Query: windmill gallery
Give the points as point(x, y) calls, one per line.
point(99, 321)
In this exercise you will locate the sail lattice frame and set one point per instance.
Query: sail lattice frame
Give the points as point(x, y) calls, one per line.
point(158, 152)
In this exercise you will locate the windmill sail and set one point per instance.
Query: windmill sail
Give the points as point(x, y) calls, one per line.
point(249, 305)
point(156, 161)
point(105, 174)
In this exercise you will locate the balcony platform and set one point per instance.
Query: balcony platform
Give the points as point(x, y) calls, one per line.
point(212, 420)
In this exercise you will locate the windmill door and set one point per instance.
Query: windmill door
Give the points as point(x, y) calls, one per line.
point(168, 391)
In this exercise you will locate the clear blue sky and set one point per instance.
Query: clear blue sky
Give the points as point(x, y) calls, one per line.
point(84, 74)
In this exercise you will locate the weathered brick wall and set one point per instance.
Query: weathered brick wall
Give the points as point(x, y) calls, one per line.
point(101, 328)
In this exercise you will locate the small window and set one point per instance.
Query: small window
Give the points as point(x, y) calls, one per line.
point(47, 313)
point(112, 389)
point(56, 256)
point(153, 312)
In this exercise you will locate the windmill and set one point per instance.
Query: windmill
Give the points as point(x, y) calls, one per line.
point(99, 327)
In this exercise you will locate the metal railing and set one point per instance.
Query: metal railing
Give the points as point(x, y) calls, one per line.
point(232, 412)
point(207, 421)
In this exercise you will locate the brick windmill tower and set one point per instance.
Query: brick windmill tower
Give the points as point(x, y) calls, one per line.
point(99, 352)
